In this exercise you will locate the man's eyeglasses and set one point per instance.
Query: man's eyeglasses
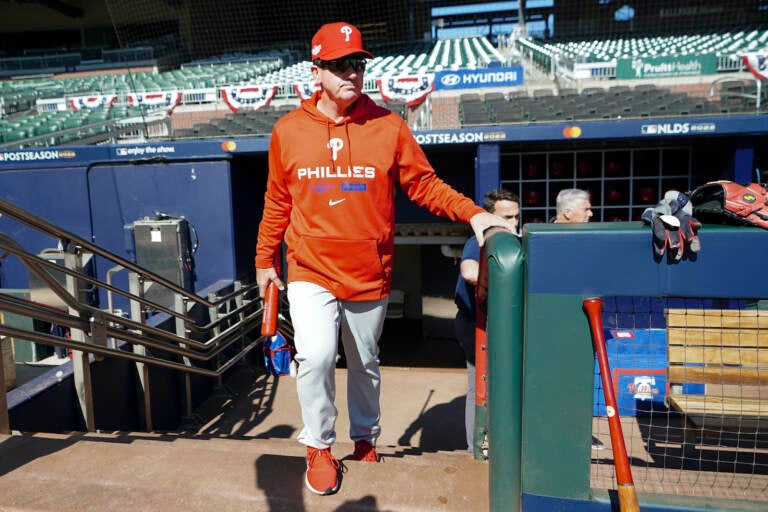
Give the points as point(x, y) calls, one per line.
point(341, 65)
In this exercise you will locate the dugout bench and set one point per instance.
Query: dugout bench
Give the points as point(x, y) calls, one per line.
point(725, 351)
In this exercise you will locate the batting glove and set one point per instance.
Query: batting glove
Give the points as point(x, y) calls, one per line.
point(673, 226)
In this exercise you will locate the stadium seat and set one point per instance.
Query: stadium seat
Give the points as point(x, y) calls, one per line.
point(183, 133)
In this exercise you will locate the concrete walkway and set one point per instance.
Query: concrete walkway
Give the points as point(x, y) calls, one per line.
point(243, 456)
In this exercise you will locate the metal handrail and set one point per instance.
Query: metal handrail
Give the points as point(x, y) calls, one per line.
point(34, 264)
point(757, 96)
point(126, 330)
point(49, 339)
point(192, 341)
point(25, 217)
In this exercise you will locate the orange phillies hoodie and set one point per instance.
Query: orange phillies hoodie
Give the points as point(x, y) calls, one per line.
point(331, 191)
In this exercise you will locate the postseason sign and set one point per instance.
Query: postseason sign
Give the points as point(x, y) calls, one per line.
point(471, 78)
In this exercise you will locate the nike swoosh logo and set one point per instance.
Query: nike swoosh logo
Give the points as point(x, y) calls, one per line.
point(331, 202)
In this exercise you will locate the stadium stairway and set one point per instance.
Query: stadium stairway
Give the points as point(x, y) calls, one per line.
point(243, 456)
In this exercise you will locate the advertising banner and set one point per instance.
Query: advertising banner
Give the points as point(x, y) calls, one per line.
point(658, 67)
point(472, 78)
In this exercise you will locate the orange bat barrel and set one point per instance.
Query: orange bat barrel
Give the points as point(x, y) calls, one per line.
point(269, 315)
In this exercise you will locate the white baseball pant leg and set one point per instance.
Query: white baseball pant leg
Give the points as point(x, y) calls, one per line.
point(317, 317)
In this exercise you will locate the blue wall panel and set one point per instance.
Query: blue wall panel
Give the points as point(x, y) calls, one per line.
point(728, 256)
point(56, 194)
point(486, 170)
point(198, 191)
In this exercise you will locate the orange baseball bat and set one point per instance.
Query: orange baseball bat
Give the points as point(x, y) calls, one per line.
point(626, 486)
point(271, 305)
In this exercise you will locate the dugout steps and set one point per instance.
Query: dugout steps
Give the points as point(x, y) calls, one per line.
point(215, 474)
point(232, 462)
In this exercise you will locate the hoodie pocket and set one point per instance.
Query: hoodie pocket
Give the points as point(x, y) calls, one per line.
point(353, 264)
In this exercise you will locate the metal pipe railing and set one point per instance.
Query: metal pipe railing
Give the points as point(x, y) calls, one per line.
point(35, 264)
point(195, 341)
point(49, 339)
point(25, 217)
point(125, 332)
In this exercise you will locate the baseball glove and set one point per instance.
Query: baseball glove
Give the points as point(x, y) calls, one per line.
point(727, 202)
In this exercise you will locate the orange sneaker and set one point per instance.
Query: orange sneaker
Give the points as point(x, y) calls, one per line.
point(322, 471)
point(365, 452)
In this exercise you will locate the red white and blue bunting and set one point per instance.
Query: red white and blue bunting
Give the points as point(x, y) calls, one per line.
point(305, 90)
point(411, 90)
point(248, 97)
point(167, 100)
point(100, 101)
point(757, 64)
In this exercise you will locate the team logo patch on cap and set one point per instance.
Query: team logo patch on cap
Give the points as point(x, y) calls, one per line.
point(337, 40)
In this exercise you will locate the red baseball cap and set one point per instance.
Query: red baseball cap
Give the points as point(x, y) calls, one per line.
point(336, 40)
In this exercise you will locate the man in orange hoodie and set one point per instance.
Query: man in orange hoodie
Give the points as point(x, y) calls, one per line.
point(333, 164)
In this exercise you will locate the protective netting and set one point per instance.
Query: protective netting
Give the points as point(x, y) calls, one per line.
point(690, 382)
point(99, 72)
point(180, 31)
point(186, 31)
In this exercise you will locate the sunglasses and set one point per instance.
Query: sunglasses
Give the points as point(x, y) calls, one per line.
point(341, 65)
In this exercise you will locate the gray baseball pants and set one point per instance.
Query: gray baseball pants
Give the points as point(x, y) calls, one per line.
point(318, 318)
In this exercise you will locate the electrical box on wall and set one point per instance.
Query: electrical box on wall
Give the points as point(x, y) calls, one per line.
point(163, 246)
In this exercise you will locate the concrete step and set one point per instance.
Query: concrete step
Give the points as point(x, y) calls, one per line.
point(137, 471)
point(243, 455)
